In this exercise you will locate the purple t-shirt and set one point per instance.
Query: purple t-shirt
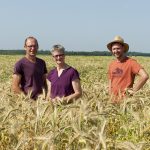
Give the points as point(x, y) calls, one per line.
point(31, 75)
point(62, 85)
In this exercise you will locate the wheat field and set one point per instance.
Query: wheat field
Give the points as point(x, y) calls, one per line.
point(90, 123)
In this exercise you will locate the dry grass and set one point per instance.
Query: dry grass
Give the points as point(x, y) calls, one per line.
point(91, 123)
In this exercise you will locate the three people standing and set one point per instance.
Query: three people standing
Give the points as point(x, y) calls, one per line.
point(63, 81)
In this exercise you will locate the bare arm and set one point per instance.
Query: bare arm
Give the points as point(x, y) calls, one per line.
point(77, 91)
point(49, 90)
point(143, 78)
point(16, 84)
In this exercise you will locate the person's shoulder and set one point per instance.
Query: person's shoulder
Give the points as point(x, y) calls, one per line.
point(113, 62)
point(52, 70)
point(21, 60)
point(19, 65)
point(40, 59)
point(132, 60)
point(72, 69)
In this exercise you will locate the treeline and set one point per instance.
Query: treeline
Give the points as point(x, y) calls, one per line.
point(79, 53)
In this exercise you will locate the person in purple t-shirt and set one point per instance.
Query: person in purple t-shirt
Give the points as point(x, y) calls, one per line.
point(63, 81)
point(29, 75)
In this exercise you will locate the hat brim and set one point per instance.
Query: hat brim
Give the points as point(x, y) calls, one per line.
point(109, 45)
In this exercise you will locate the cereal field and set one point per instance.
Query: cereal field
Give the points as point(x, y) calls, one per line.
point(91, 123)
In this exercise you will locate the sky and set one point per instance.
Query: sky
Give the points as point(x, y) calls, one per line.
point(78, 25)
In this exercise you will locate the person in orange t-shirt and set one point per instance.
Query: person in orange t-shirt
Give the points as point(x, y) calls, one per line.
point(123, 70)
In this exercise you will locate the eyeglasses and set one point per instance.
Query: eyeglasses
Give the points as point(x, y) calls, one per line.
point(60, 55)
point(30, 46)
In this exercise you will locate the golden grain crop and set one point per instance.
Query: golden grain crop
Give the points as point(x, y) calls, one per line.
point(90, 123)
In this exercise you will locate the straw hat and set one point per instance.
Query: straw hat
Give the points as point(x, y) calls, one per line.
point(118, 39)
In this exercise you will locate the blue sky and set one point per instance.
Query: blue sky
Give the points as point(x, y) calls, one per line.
point(79, 25)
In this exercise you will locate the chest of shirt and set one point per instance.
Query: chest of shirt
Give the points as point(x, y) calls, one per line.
point(31, 69)
point(120, 70)
point(65, 78)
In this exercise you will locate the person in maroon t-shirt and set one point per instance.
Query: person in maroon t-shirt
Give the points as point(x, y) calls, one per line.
point(63, 81)
point(29, 75)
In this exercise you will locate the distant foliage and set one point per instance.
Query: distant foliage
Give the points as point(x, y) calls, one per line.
point(72, 53)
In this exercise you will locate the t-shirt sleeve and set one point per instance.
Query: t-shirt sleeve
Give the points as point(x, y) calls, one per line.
point(45, 68)
point(75, 75)
point(49, 76)
point(17, 68)
point(136, 67)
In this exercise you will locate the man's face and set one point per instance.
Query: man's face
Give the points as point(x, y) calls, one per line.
point(118, 50)
point(31, 47)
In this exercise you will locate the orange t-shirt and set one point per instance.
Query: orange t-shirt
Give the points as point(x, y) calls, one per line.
point(122, 75)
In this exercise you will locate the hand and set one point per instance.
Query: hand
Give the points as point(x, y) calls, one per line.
point(63, 101)
point(58, 100)
point(129, 91)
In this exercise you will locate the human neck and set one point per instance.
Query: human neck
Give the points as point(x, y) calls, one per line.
point(62, 66)
point(31, 58)
point(120, 59)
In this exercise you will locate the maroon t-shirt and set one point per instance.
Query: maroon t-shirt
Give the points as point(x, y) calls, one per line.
point(31, 75)
point(62, 85)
